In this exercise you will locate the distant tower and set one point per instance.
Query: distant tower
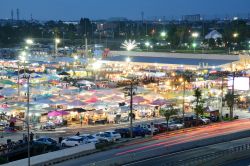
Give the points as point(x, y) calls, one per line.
point(142, 17)
point(17, 14)
point(31, 17)
point(12, 15)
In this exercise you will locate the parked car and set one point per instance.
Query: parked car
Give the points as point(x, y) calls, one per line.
point(160, 127)
point(137, 131)
point(204, 120)
point(149, 128)
point(171, 125)
point(48, 126)
point(45, 140)
point(114, 135)
point(103, 137)
point(124, 132)
point(89, 138)
point(73, 141)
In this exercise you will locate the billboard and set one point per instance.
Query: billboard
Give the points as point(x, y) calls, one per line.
point(240, 83)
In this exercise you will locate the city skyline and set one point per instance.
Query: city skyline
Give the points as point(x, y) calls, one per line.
point(97, 9)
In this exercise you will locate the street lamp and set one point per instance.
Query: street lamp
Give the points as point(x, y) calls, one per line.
point(27, 114)
point(29, 41)
point(194, 45)
point(163, 34)
point(195, 34)
point(147, 44)
point(235, 35)
point(128, 59)
point(57, 41)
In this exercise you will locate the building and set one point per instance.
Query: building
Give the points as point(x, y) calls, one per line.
point(191, 18)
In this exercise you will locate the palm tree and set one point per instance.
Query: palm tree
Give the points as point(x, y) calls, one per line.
point(229, 97)
point(199, 110)
point(167, 113)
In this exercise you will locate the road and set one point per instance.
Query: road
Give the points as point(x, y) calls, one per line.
point(188, 155)
point(162, 142)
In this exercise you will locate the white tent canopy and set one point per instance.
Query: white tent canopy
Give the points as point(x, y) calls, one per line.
point(213, 35)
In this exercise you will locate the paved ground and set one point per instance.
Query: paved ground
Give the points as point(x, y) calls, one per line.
point(72, 130)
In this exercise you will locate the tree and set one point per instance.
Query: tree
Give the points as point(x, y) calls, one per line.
point(229, 97)
point(211, 43)
point(167, 113)
point(199, 110)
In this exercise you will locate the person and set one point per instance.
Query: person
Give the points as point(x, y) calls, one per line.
point(31, 136)
point(77, 134)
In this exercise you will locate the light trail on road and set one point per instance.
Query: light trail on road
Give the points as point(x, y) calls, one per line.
point(189, 135)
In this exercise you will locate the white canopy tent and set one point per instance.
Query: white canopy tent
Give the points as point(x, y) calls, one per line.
point(213, 35)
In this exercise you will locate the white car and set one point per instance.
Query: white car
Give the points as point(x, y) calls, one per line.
point(205, 120)
point(171, 126)
point(103, 137)
point(73, 141)
point(89, 138)
point(149, 128)
point(113, 135)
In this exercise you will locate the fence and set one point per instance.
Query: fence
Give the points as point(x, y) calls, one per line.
point(215, 157)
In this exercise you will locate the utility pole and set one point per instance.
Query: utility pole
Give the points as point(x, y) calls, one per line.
point(231, 113)
point(131, 109)
point(222, 87)
point(27, 115)
point(18, 79)
point(183, 101)
point(28, 119)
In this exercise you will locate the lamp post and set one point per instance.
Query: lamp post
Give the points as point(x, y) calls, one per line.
point(147, 44)
point(130, 94)
point(27, 114)
point(57, 41)
point(235, 36)
point(183, 97)
point(195, 35)
point(194, 45)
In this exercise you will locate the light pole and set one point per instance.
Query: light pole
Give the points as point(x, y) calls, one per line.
point(27, 114)
point(194, 45)
point(131, 115)
point(235, 36)
point(147, 44)
point(57, 41)
point(195, 35)
point(183, 97)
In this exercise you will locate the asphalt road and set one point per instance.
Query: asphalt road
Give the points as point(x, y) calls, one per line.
point(192, 153)
point(162, 142)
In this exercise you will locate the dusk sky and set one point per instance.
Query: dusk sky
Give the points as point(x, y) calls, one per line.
point(104, 9)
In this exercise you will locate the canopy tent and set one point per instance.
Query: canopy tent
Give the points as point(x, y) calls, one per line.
point(160, 102)
point(57, 113)
point(76, 103)
point(8, 92)
point(64, 73)
point(138, 100)
point(213, 35)
point(7, 82)
point(92, 100)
